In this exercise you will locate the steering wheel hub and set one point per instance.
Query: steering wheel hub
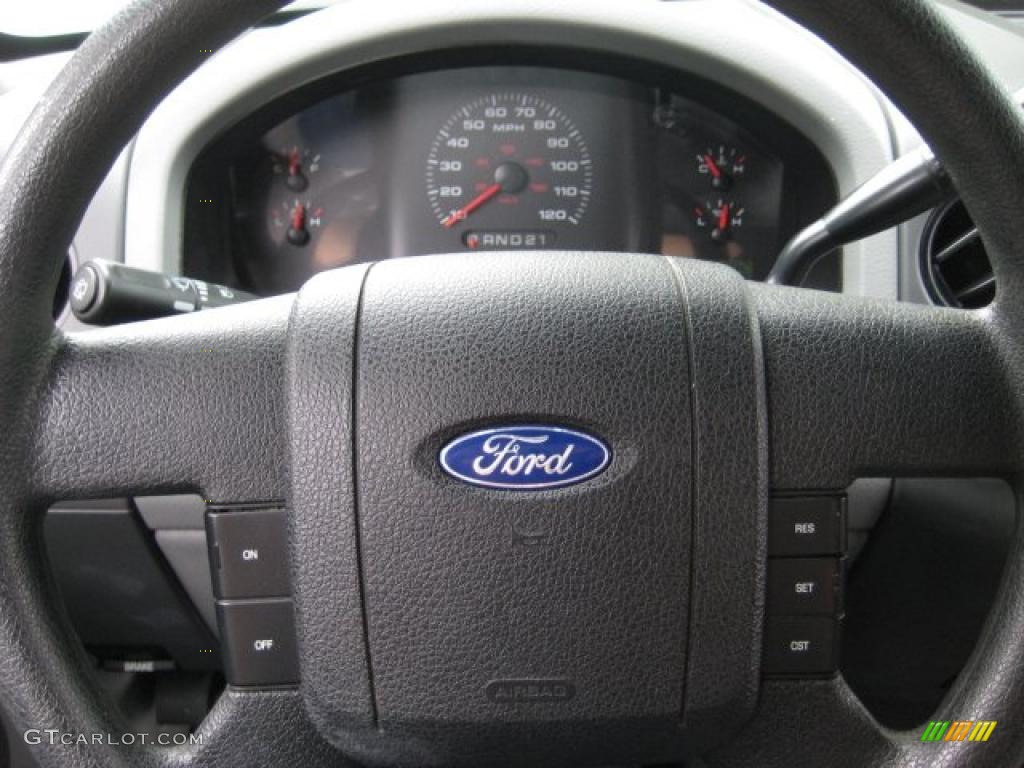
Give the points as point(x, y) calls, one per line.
point(531, 614)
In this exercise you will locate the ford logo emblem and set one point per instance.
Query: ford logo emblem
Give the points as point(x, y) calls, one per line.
point(523, 457)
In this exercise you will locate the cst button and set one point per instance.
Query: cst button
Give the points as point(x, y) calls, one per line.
point(801, 646)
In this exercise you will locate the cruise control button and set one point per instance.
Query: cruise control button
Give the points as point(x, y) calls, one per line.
point(249, 552)
point(805, 585)
point(801, 646)
point(258, 642)
point(806, 525)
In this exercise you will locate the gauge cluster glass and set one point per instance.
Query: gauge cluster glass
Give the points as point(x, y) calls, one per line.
point(509, 162)
point(308, 195)
point(493, 159)
point(520, 159)
point(721, 189)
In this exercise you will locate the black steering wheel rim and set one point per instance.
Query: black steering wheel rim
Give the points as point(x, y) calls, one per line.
point(100, 99)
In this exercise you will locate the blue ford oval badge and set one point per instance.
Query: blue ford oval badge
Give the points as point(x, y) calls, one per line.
point(523, 457)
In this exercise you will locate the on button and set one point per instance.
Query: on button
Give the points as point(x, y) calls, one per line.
point(249, 552)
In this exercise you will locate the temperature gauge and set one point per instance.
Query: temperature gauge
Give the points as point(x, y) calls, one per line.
point(296, 165)
point(719, 219)
point(723, 164)
point(297, 219)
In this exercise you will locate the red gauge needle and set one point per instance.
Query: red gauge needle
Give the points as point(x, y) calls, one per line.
point(293, 164)
point(713, 166)
point(454, 217)
point(723, 217)
point(299, 217)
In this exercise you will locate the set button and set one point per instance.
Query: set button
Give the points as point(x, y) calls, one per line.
point(804, 585)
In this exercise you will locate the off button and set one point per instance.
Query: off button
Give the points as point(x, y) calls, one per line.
point(258, 642)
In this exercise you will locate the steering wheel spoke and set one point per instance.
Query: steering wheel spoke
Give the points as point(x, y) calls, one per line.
point(857, 388)
point(863, 388)
point(184, 403)
point(810, 722)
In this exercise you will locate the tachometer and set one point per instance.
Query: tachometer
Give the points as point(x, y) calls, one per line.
point(509, 170)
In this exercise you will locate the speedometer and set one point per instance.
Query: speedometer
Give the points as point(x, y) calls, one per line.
point(509, 170)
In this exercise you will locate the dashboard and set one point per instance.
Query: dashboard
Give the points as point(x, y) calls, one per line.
point(496, 158)
point(175, 203)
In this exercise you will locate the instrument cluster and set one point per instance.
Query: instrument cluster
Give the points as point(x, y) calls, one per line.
point(497, 159)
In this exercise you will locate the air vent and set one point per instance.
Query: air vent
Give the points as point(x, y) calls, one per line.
point(954, 263)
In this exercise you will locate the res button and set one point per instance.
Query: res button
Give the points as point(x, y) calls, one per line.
point(806, 525)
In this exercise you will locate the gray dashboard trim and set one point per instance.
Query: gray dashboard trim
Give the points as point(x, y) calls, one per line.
point(758, 54)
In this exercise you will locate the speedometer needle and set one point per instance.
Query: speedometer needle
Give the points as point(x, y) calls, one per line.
point(456, 216)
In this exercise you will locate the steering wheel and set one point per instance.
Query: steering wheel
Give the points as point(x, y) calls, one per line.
point(410, 600)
